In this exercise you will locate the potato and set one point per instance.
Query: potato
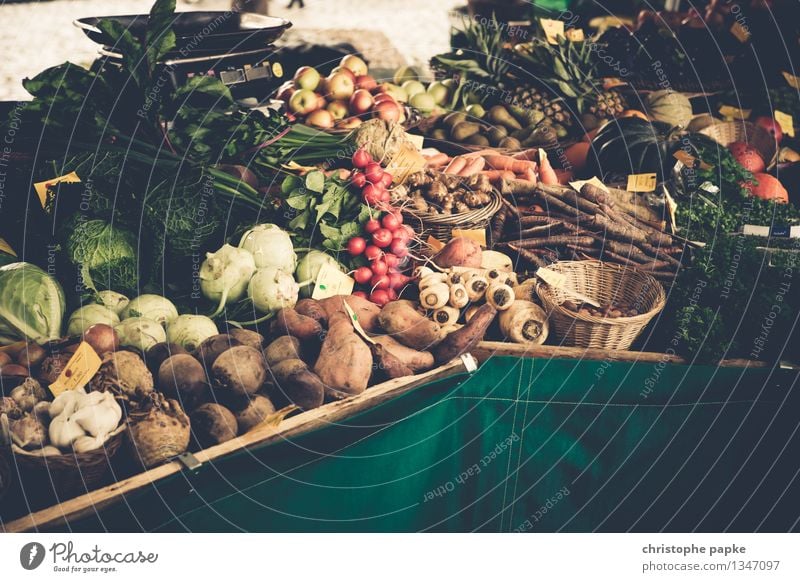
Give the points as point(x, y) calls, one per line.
point(156, 355)
point(289, 322)
point(408, 326)
point(183, 377)
point(212, 424)
point(459, 252)
point(311, 308)
point(464, 339)
point(417, 361)
point(345, 361)
point(295, 383)
point(240, 371)
point(256, 411)
point(208, 351)
point(248, 337)
point(366, 311)
point(285, 347)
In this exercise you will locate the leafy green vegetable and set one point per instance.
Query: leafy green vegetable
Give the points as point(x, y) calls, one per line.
point(31, 304)
point(105, 256)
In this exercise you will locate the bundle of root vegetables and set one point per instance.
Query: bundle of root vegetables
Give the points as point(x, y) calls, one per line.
point(548, 223)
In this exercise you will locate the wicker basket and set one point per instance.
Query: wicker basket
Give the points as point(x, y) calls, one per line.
point(69, 474)
point(607, 283)
point(440, 226)
point(730, 131)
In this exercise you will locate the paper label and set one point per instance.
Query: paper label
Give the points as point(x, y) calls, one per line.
point(794, 82)
point(82, 366)
point(740, 32)
point(435, 244)
point(417, 140)
point(575, 35)
point(672, 208)
point(6, 248)
point(45, 192)
point(611, 82)
point(690, 161)
point(356, 325)
point(552, 29)
point(786, 122)
point(475, 234)
point(594, 181)
point(331, 281)
point(734, 112)
point(405, 162)
point(641, 183)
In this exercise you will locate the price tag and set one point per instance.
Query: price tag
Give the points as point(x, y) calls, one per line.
point(356, 325)
point(594, 181)
point(405, 162)
point(476, 234)
point(6, 248)
point(741, 33)
point(734, 112)
point(794, 82)
point(786, 122)
point(417, 140)
point(611, 82)
point(641, 183)
point(331, 281)
point(552, 29)
point(690, 161)
point(435, 244)
point(45, 189)
point(82, 366)
point(575, 35)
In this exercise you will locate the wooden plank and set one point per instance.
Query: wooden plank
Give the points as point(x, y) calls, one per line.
point(302, 423)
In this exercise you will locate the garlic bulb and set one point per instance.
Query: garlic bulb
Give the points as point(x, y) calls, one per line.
point(83, 421)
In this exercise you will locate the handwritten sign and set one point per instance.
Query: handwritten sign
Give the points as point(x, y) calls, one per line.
point(641, 183)
point(331, 281)
point(80, 368)
point(552, 29)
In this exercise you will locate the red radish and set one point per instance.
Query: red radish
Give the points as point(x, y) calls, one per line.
point(361, 159)
point(390, 222)
point(379, 267)
point(386, 197)
point(372, 225)
point(356, 246)
point(402, 234)
point(379, 297)
point(372, 252)
point(362, 275)
point(373, 172)
point(361, 294)
point(391, 260)
point(399, 248)
point(372, 194)
point(359, 179)
point(392, 294)
point(382, 238)
point(379, 282)
point(386, 179)
point(409, 230)
point(772, 126)
point(398, 280)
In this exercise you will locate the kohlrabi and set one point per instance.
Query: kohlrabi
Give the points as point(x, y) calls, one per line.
point(224, 275)
point(272, 289)
point(116, 302)
point(308, 268)
point(85, 317)
point(189, 331)
point(270, 247)
point(140, 333)
point(150, 306)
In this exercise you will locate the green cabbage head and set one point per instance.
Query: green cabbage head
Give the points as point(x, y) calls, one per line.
point(31, 304)
point(105, 256)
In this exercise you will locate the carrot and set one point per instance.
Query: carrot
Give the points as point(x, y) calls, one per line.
point(455, 166)
point(530, 175)
point(499, 162)
point(437, 160)
point(546, 173)
point(474, 165)
point(529, 155)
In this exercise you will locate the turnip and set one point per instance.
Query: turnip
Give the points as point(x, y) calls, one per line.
point(189, 331)
point(224, 275)
point(116, 302)
point(271, 289)
point(270, 247)
point(140, 333)
point(309, 267)
point(88, 315)
point(152, 307)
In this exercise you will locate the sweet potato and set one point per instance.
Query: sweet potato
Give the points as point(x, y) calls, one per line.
point(464, 339)
point(417, 361)
point(366, 311)
point(285, 347)
point(409, 326)
point(311, 308)
point(345, 361)
point(290, 322)
point(295, 383)
point(386, 364)
point(459, 252)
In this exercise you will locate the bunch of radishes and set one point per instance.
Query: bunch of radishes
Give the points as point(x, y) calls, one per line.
point(373, 180)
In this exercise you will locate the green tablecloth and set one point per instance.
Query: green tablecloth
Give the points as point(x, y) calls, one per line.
point(522, 445)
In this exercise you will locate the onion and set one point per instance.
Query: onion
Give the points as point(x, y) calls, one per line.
point(103, 338)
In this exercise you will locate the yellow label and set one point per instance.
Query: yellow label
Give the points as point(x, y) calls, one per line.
point(575, 35)
point(690, 161)
point(475, 234)
point(552, 29)
point(406, 161)
point(82, 366)
point(356, 324)
point(6, 248)
point(594, 181)
point(786, 122)
point(45, 189)
point(331, 281)
point(417, 140)
point(277, 70)
point(435, 244)
point(735, 112)
point(793, 81)
point(740, 32)
point(641, 183)
point(611, 82)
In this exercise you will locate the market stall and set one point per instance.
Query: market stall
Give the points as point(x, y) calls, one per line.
point(239, 295)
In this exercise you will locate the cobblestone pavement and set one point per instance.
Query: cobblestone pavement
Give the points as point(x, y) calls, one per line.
point(36, 35)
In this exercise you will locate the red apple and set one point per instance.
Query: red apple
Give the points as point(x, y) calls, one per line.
point(321, 101)
point(338, 109)
point(348, 72)
point(306, 78)
point(366, 82)
point(355, 64)
point(349, 123)
point(285, 91)
point(380, 97)
point(321, 119)
point(747, 156)
point(340, 86)
point(360, 102)
point(772, 126)
point(387, 111)
point(303, 102)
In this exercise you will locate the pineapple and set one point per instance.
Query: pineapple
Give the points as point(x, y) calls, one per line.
point(540, 99)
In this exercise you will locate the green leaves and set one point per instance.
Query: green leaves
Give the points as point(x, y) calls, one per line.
point(160, 38)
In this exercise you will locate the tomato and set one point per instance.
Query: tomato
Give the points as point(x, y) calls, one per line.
point(391, 260)
point(359, 179)
point(382, 238)
point(379, 267)
point(379, 297)
point(356, 246)
point(372, 225)
point(372, 194)
point(399, 248)
point(372, 252)
point(379, 282)
point(374, 173)
point(361, 159)
point(387, 179)
point(362, 275)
